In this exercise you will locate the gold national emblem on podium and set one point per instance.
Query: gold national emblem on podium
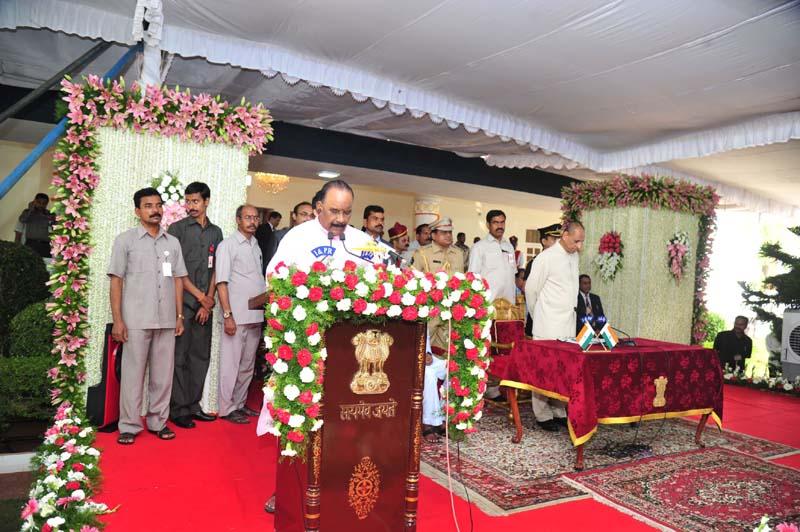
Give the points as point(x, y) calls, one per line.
point(372, 350)
point(661, 387)
point(364, 488)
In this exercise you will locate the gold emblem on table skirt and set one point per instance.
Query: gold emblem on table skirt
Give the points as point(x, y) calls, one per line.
point(661, 387)
point(364, 488)
point(372, 350)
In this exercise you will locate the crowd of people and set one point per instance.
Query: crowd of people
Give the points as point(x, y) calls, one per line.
point(165, 285)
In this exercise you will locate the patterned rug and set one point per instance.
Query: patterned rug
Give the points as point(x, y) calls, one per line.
point(503, 477)
point(708, 489)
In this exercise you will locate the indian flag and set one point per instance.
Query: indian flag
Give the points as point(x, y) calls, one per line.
point(585, 336)
point(608, 336)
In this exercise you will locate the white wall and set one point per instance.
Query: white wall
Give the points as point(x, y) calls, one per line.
point(398, 206)
point(468, 216)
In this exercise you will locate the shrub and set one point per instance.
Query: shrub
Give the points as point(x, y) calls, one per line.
point(715, 324)
point(23, 279)
point(31, 332)
point(24, 389)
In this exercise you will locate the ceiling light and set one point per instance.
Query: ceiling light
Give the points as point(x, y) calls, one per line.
point(272, 183)
point(328, 174)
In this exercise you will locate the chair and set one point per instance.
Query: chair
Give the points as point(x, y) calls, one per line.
point(507, 329)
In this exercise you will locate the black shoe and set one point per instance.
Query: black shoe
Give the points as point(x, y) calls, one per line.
point(550, 425)
point(202, 416)
point(248, 411)
point(236, 417)
point(560, 421)
point(184, 422)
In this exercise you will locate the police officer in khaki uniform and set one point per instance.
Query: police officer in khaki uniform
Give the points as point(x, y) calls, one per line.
point(440, 255)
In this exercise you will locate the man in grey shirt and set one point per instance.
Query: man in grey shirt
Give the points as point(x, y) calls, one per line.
point(199, 239)
point(146, 272)
point(240, 276)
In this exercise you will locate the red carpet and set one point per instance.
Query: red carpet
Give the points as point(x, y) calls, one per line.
point(705, 490)
point(218, 476)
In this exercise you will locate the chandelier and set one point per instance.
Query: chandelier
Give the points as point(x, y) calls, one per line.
point(272, 183)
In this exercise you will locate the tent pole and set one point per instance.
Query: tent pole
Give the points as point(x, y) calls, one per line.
point(73, 67)
point(54, 134)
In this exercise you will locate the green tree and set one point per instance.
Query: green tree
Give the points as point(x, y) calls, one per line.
point(777, 291)
point(714, 325)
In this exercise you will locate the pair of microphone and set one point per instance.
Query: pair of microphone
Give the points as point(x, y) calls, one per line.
point(393, 256)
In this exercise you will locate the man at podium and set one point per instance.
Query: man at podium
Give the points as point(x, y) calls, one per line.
point(329, 235)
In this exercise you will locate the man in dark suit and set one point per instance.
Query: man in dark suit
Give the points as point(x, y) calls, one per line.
point(264, 236)
point(589, 305)
point(734, 346)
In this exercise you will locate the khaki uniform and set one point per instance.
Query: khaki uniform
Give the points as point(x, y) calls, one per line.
point(149, 311)
point(433, 258)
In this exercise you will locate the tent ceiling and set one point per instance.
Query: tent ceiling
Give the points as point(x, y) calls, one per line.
point(608, 84)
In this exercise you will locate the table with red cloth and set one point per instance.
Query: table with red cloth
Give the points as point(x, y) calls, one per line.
point(618, 386)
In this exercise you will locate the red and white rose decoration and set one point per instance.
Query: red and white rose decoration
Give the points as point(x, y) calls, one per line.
point(304, 302)
point(609, 258)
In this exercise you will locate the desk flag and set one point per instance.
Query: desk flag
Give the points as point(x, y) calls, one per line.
point(608, 336)
point(585, 336)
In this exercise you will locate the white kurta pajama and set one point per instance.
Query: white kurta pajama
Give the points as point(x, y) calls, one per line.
point(494, 260)
point(550, 294)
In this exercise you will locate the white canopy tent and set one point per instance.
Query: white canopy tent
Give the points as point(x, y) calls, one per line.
point(582, 87)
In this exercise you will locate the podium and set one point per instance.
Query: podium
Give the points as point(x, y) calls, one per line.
point(362, 467)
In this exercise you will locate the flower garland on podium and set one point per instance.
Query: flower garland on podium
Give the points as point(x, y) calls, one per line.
point(303, 303)
point(66, 466)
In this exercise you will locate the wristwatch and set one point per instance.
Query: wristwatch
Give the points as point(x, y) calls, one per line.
point(227, 314)
point(181, 316)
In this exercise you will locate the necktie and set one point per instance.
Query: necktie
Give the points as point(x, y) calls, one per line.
point(588, 305)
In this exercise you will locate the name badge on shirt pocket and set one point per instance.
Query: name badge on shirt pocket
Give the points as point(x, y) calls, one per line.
point(511, 259)
point(166, 266)
point(210, 261)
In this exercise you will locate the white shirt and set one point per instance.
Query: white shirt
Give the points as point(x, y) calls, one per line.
point(550, 293)
point(308, 242)
point(494, 260)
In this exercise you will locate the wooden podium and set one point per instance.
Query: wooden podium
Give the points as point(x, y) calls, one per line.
point(362, 467)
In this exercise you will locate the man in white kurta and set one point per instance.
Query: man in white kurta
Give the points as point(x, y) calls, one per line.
point(493, 258)
point(550, 294)
point(328, 237)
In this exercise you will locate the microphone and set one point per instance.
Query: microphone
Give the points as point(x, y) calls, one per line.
point(341, 239)
point(628, 341)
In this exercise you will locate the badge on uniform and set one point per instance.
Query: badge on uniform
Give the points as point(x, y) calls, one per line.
point(166, 266)
point(210, 256)
point(323, 251)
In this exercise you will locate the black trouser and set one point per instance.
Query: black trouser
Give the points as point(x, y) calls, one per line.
point(41, 247)
point(192, 355)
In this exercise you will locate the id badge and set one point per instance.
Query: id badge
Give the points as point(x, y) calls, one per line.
point(166, 269)
point(511, 260)
point(210, 261)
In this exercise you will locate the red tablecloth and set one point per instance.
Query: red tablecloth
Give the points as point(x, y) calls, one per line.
point(617, 386)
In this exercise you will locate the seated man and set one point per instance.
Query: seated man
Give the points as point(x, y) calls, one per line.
point(734, 346)
point(589, 307)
